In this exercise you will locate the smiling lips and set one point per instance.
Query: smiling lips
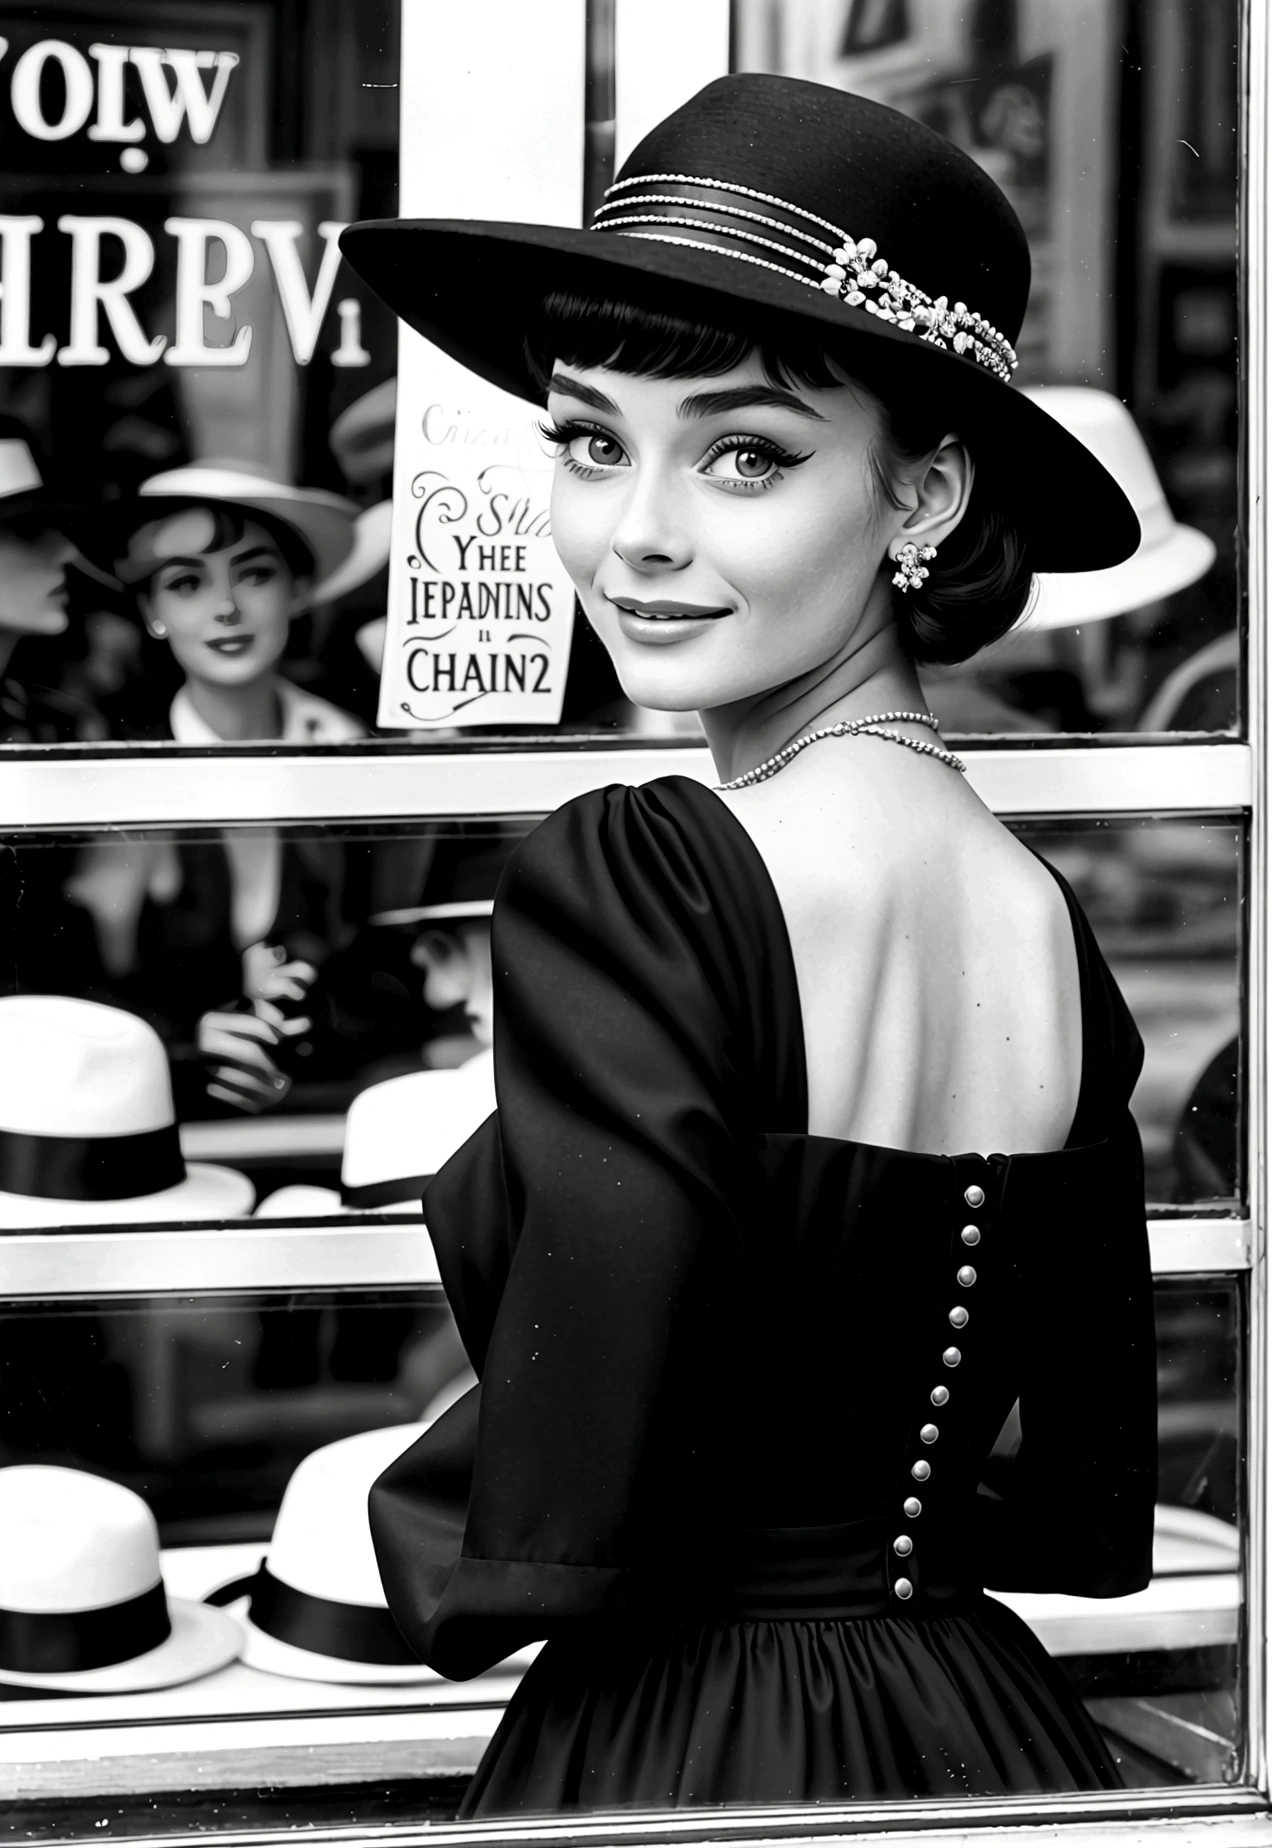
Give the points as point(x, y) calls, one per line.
point(662, 610)
point(232, 644)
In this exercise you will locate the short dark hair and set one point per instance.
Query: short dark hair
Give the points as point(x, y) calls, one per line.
point(229, 522)
point(980, 584)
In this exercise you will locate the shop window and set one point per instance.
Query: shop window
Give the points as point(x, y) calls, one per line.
point(242, 887)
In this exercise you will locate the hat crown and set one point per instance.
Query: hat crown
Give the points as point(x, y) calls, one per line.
point(70, 1541)
point(869, 170)
point(79, 1068)
point(322, 1538)
point(413, 1124)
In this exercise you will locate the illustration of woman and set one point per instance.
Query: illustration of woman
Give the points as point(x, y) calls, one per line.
point(749, 1287)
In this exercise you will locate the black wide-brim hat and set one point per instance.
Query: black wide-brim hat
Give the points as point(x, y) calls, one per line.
point(765, 197)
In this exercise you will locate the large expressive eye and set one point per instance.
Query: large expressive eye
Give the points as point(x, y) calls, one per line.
point(748, 462)
point(585, 446)
point(595, 449)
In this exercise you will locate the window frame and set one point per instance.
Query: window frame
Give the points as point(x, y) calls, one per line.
point(86, 787)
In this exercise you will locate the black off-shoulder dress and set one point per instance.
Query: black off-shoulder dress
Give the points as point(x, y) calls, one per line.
point(739, 1383)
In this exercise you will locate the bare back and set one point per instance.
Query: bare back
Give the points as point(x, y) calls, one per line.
point(935, 955)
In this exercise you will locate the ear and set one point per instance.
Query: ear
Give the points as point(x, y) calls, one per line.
point(941, 491)
point(154, 628)
point(302, 595)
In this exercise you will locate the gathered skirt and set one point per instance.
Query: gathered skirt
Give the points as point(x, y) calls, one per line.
point(779, 1711)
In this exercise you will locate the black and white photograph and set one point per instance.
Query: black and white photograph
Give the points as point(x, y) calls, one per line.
point(635, 922)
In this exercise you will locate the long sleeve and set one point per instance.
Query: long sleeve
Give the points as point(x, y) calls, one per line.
point(590, 1238)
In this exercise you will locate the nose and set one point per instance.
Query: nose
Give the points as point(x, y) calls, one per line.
point(229, 611)
point(650, 536)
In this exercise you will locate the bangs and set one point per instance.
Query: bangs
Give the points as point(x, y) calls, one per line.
point(626, 336)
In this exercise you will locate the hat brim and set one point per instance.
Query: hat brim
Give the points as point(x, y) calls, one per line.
point(203, 1639)
point(299, 1200)
point(474, 288)
point(452, 911)
point(206, 1193)
point(273, 1657)
point(1149, 575)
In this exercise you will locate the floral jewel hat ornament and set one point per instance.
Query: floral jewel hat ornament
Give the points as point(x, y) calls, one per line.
point(765, 198)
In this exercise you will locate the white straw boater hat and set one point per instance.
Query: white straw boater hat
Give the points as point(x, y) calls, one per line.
point(82, 1601)
point(316, 1606)
point(88, 1135)
point(1169, 556)
point(397, 1135)
point(323, 522)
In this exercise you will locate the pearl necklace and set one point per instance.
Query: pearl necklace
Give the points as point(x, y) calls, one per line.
point(875, 726)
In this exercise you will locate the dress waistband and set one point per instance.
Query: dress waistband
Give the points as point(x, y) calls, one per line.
point(777, 1573)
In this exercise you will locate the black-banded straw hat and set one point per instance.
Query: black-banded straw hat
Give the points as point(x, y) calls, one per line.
point(785, 197)
point(83, 1607)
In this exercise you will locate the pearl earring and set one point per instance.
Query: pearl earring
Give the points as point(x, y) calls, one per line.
point(160, 633)
point(910, 573)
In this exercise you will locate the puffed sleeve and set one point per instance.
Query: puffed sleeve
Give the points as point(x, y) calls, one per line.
point(590, 1238)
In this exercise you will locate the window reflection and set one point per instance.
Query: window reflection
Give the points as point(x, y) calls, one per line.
point(297, 976)
point(1113, 132)
point(208, 1407)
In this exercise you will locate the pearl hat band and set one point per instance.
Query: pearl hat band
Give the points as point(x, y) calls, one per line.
point(849, 268)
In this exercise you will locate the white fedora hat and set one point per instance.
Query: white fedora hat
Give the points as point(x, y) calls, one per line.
point(88, 1135)
point(1169, 556)
point(323, 522)
point(317, 1608)
point(397, 1135)
point(82, 1600)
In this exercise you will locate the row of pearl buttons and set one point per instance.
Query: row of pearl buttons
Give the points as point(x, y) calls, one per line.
point(903, 1545)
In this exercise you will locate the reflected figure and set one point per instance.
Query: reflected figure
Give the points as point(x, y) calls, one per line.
point(34, 552)
point(221, 560)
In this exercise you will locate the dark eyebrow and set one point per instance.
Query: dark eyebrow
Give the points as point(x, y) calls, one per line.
point(190, 564)
point(745, 398)
point(255, 551)
point(586, 394)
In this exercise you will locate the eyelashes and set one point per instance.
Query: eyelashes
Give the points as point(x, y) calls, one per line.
point(567, 431)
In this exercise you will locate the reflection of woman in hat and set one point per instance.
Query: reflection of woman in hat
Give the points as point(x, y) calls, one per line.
point(221, 561)
point(34, 553)
point(748, 1297)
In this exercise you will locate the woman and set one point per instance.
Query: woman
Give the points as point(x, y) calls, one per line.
point(34, 554)
point(223, 941)
point(747, 1314)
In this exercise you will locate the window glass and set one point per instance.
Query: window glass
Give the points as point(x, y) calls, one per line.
point(173, 182)
point(207, 1408)
point(1113, 130)
point(286, 973)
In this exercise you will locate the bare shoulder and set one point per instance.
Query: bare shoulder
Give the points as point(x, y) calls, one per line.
point(857, 840)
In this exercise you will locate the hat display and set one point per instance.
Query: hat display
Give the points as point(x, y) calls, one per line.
point(774, 195)
point(317, 1609)
point(88, 1134)
point(1169, 556)
point(462, 883)
point(397, 1136)
point(82, 1600)
point(323, 522)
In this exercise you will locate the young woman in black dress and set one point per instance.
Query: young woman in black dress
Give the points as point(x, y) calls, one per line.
point(749, 1294)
